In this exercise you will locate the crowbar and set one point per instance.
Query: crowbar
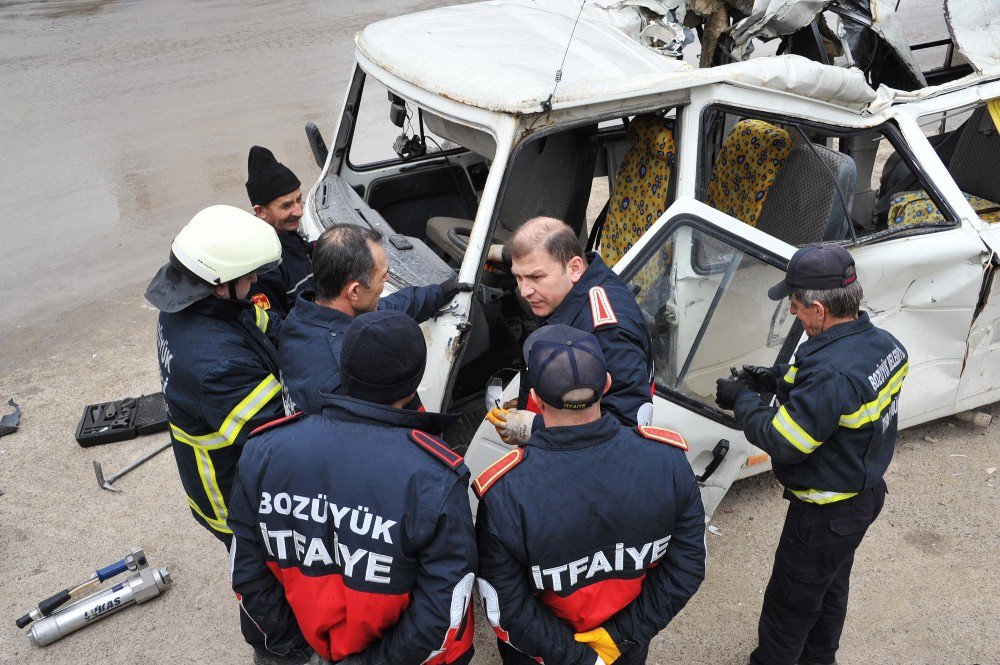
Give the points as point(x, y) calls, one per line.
point(106, 482)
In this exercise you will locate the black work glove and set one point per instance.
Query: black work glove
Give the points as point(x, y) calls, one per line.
point(451, 287)
point(760, 379)
point(726, 392)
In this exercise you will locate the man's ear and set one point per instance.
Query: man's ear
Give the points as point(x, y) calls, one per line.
point(821, 310)
point(538, 401)
point(258, 209)
point(351, 291)
point(576, 267)
point(607, 384)
point(221, 291)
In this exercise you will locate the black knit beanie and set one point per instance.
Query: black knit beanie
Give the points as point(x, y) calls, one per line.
point(383, 357)
point(268, 178)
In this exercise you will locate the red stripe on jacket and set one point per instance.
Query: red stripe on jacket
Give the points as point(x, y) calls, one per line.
point(589, 607)
point(336, 620)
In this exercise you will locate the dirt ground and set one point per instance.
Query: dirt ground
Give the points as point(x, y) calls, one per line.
point(924, 587)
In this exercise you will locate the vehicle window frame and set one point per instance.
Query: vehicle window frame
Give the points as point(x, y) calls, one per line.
point(653, 246)
point(502, 191)
point(374, 166)
point(888, 129)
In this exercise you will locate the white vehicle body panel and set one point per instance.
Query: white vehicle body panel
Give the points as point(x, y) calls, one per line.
point(925, 289)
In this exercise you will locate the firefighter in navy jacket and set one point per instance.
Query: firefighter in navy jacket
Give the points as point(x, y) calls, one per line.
point(350, 272)
point(574, 563)
point(216, 351)
point(830, 440)
point(352, 529)
point(276, 196)
point(564, 286)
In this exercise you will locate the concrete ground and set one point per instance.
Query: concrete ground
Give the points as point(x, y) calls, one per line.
point(924, 587)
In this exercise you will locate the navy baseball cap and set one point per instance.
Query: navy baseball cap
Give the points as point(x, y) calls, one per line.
point(565, 366)
point(821, 267)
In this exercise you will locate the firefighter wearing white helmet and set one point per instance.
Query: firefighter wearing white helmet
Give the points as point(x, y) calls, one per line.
point(216, 351)
point(218, 362)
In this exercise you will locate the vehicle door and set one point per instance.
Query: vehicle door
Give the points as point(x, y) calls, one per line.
point(962, 137)
point(701, 280)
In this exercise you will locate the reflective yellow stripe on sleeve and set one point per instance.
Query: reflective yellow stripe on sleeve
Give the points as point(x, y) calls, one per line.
point(217, 525)
point(819, 496)
point(872, 411)
point(790, 374)
point(226, 436)
point(793, 433)
point(261, 318)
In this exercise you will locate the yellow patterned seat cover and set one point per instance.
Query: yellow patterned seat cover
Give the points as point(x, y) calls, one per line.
point(909, 208)
point(746, 167)
point(640, 191)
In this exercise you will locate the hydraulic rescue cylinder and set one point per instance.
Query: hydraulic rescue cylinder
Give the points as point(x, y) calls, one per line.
point(146, 584)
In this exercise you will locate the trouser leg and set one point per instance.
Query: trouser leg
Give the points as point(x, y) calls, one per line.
point(788, 612)
point(511, 656)
point(813, 559)
point(635, 656)
point(824, 638)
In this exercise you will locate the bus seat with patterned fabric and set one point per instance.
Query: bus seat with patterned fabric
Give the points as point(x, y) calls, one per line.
point(909, 208)
point(746, 167)
point(639, 196)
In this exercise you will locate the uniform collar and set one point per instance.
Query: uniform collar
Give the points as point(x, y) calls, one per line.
point(325, 317)
point(292, 241)
point(225, 309)
point(813, 344)
point(348, 409)
point(572, 437)
point(577, 298)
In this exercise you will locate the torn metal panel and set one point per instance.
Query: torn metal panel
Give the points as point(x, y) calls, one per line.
point(10, 422)
point(868, 27)
point(773, 18)
point(975, 29)
point(864, 23)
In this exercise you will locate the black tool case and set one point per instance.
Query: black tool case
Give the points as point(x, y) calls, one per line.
point(122, 419)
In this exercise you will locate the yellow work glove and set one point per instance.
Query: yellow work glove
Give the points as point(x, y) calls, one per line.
point(600, 641)
point(513, 425)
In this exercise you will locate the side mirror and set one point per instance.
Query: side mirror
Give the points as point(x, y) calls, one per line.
point(317, 144)
point(397, 110)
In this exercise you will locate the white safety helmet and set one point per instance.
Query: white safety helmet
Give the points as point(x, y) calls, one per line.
point(220, 244)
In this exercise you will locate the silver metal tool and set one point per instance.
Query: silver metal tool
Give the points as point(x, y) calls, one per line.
point(147, 583)
point(106, 483)
point(54, 602)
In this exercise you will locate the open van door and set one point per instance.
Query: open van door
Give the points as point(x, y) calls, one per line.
point(700, 278)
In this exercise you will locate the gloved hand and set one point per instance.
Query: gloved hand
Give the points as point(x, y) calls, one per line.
point(600, 641)
point(513, 425)
point(726, 392)
point(450, 288)
point(760, 379)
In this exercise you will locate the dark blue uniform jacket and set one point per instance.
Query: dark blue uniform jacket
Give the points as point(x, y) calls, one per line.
point(277, 290)
point(595, 526)
point(601, 304)
point(312, 335)
point(352, 531)
point(835, 431)
point(219, 371)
